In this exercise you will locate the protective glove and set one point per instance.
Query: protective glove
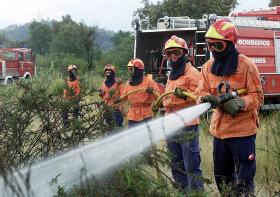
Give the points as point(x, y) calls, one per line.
point(233, 106)
point(112, 92)
point(155, 108)
point(120, 81)
point(211, 99)
point(101, 93)
point(179, 93)
point(117, 100)
point(150, 90)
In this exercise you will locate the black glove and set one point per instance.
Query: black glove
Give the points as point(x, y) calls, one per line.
point(112, 92)
point(150, 90)
point(179, 93)
point(101, 92)
point(233, 106)
point(155, 108)
point(211, 99)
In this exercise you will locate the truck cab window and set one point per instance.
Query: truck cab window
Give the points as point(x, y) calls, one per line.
point(20, 56)
point(7, 55)
point(28, 57)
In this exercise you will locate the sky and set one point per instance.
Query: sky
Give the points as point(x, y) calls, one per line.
point(109, 14)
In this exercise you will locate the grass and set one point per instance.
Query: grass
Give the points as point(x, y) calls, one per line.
point(266, 178)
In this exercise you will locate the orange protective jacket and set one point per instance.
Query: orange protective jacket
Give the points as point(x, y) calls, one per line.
point(111, 94)
point(246, 122)
point(189, 82)
point(73, 86)
point(140, 103)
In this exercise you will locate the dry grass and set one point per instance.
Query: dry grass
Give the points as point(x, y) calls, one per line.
point(265, 179)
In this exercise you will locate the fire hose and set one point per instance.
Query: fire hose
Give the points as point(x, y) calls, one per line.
point(158, 102)
point(136, 91)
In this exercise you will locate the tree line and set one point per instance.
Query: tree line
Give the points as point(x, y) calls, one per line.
point(58, 43)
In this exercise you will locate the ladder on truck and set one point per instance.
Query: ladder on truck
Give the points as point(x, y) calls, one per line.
point(254, 23)
point(201, 54)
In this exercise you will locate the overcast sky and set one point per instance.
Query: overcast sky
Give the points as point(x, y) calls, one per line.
point(109, 14)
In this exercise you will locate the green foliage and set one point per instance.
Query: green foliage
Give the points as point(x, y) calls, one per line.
point(40, 37)
point(274, 3)
point(88, 38)
point(134, 179)
point(191, 8)
point(3, 39)
point(31, 124)
point(59, 63)
point(67, 40)
point(273, 148)
point(17, 33)
point(121, 53)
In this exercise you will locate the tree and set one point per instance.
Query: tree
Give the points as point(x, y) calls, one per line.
point(88, 38)
point(74, 38)
point(67, 38)
point(40, 37)
point(191, 8)
point(122, 52)
point(2, 39)
point(274, 3)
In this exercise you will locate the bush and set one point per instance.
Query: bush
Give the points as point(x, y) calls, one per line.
point(31, 124)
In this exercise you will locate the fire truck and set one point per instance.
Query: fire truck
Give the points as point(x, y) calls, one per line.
point(259, 39)
point(16, 63)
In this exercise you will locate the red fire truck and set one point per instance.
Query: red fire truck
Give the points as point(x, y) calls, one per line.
point(259, 39)
point(16, 63)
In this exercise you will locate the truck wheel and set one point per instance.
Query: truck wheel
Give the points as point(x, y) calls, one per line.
point(10, 82)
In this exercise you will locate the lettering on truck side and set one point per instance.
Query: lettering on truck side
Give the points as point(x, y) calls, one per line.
point(258, 60)
point(254, 42)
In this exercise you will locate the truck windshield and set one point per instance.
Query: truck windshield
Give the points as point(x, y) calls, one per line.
point(8, 55)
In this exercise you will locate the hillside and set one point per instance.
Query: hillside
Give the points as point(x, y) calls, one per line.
point(19, 33)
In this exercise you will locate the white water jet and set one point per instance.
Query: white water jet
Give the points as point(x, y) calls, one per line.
point(103, 155)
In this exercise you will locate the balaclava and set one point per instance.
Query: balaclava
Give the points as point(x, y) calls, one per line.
point(225, 62)
point(136, 77)
point(178, 67)
point(110, 79)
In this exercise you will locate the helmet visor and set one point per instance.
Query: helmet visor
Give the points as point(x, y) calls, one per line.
point(216, 45)
point(175, 52)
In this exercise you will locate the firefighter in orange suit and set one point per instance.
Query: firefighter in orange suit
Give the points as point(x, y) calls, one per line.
point(140, 102)
point(234, 122)
point(71, 93)
point(111, 89)
point(185, 162)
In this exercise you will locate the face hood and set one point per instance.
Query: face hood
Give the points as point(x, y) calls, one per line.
point(110, 79)
point(178, 67)
point(137, 77)
point(225, 62)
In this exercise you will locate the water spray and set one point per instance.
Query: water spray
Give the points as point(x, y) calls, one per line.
point(100, 156)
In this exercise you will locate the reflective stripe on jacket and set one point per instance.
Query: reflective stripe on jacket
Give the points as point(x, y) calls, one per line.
point(246, 122)
point(111, 94)
point(73, 86)
point(140, 103)
point(189, 82)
